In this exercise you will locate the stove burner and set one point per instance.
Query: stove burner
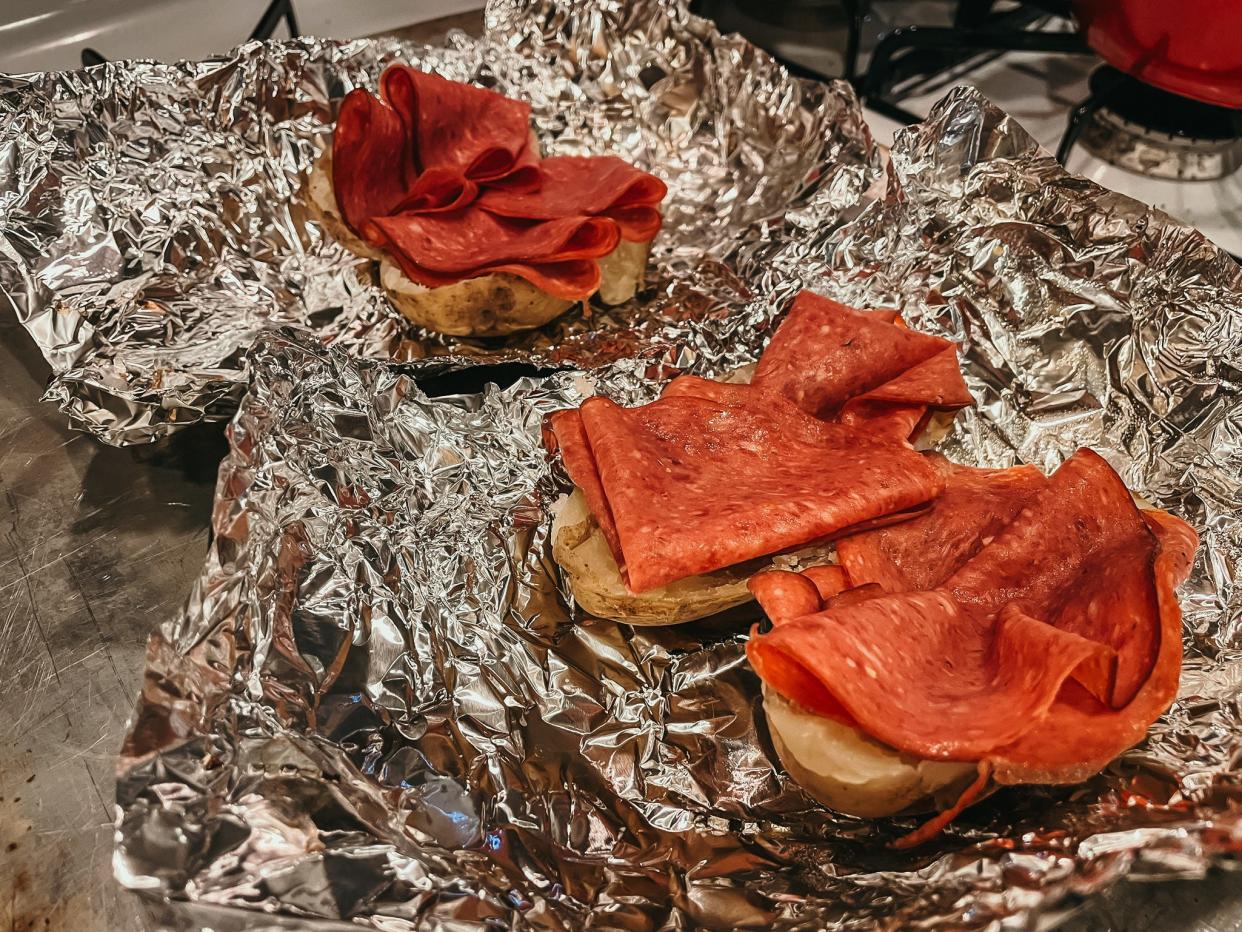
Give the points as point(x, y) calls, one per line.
point(1155, 133)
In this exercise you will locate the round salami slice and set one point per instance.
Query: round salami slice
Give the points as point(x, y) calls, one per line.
point(1080, 735)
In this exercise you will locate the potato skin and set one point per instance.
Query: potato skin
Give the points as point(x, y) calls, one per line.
point(322, 205)
point(580, 549)
point(487, 306)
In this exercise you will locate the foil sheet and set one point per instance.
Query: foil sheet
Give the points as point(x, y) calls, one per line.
point(379, 707)
point(153, 218)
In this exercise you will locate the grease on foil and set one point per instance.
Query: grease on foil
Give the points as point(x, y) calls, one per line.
point(378, 705)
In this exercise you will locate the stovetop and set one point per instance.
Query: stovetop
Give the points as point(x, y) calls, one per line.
point(1040, 89)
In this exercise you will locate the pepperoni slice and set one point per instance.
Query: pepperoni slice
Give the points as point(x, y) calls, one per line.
point(579, 461)
point(372, 159)
point(1080, 558)
point(922, 675)
point(695, 484)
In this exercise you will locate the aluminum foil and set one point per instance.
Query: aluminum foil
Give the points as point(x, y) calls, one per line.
point(381, 708)
point(152, 218)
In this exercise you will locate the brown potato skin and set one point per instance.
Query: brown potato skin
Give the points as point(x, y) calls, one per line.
point(580, 549)
point(487, 306)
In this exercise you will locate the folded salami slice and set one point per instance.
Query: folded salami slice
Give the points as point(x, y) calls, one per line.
point(598, 186)
point(372, 159)
point(923, 552)
point(1045, 654)
point(464, 136)
point(1077, 737)
point(444, 247)
point(427, 145)
point(570, 440)
point(1079, 557)
point(917, 672)
point(838, 363)
point(694, 484)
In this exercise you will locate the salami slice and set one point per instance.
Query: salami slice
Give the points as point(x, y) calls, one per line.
point(427, 145)
point(441, 248)
point(579, 461)
point(1045, 654)
point(826, 357)
point(696, 484)
point(458, 127)
point(922, 553)
point(1078, 737)
point(785, 595)
point(598, 186)
point(922, 675)
point(372, 159)
point(1080, 558)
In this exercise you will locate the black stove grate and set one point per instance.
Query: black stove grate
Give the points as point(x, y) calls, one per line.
point(1156, 110)
point(978, 32)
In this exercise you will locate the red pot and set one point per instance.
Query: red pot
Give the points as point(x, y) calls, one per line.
point(1189, 47)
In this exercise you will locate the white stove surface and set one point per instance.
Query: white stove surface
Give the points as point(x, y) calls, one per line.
point(1040, 90)
point(49, 35)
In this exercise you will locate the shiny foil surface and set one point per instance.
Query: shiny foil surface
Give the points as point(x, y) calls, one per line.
point(379, 707)
point(153, 217)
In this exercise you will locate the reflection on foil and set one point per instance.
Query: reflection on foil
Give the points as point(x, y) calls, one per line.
point(152, 220)
point(378, 707)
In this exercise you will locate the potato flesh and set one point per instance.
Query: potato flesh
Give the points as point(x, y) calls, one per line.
point(852, 773)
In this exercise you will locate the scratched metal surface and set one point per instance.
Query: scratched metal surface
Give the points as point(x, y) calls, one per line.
point(97, 546)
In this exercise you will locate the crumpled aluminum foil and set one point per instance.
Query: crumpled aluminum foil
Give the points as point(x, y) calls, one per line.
point(378, 707)
point(151, 217)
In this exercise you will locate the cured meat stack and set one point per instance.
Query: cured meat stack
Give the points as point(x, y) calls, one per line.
point(1023, 626)
point(447, 179)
